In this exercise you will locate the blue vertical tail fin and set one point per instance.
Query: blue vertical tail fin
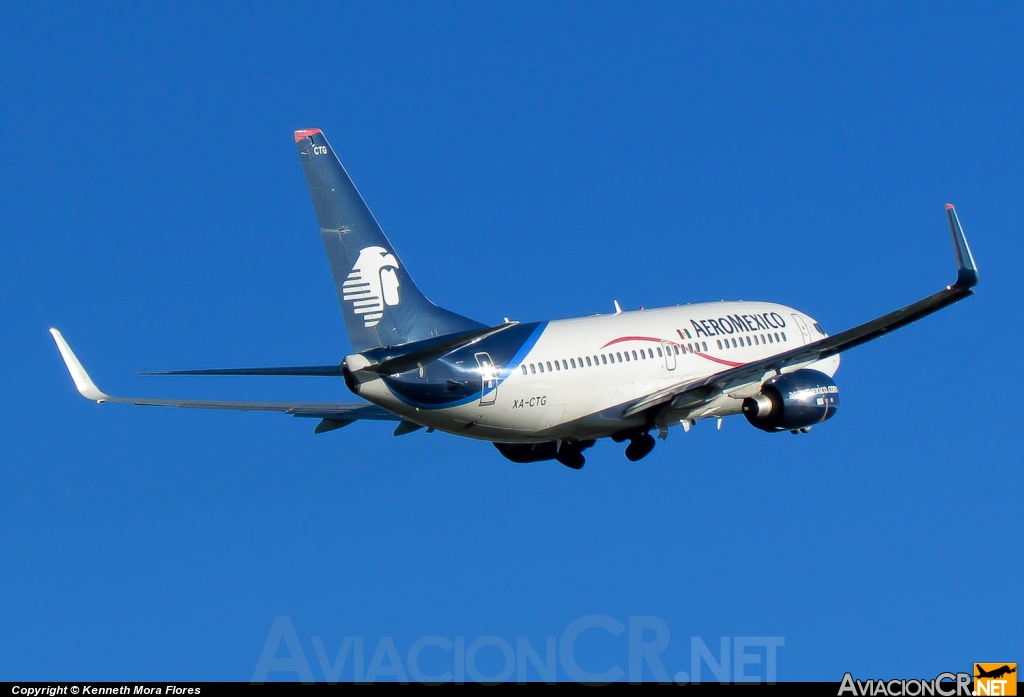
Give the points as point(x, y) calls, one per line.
point(381, 304)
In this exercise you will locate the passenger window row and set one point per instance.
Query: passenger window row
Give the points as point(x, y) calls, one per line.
point(646, 354)
point(736, 343)
point(690, 348)
point(605, 359)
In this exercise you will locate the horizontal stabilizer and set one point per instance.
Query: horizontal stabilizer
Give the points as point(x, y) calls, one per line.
point(398, 359)
point(389, 360)
point(295, 370)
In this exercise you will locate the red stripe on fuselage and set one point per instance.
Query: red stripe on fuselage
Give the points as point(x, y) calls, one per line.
point(632, 338)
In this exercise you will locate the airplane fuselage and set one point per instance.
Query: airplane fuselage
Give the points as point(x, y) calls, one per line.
point(569, 378)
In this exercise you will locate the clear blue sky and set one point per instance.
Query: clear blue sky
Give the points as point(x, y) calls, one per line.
point(533, 161)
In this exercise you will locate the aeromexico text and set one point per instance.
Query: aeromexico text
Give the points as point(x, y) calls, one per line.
point(730, 324)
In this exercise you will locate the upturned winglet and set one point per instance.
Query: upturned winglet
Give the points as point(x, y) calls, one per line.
point(966, 269)
point(82, 380)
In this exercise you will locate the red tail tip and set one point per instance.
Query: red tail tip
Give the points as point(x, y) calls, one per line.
point(949, 206)
point(305, 133)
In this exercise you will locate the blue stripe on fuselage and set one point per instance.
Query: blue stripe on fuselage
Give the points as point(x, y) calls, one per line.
point(507, 349)
point(523, 351)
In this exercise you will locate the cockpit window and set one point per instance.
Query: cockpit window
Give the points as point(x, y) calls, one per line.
point(818, 328)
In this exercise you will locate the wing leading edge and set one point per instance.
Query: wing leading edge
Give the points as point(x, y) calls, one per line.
point(335, 414)
point(694, 393)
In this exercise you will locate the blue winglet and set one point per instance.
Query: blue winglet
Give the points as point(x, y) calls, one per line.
point(966, 269)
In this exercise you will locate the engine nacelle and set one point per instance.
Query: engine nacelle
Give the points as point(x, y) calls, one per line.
point(792, 401)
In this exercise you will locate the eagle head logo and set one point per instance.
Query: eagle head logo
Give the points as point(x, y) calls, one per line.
point(372, 284)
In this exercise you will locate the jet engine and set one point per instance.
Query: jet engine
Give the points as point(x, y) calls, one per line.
point(793, 401)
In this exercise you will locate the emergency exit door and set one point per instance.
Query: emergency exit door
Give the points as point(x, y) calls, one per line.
point(670, 358)
point(805, 335)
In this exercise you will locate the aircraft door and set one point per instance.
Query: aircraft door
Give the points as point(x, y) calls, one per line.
point(670, 356)
point(803, 328)
point(488, 379)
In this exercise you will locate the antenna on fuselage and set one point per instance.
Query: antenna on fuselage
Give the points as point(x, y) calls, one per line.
point(618, 310)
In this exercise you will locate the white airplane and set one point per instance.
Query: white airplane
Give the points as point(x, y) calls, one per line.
point(548, 390)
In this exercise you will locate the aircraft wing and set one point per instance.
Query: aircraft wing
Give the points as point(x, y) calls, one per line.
point(335, 414)
point(696, 392)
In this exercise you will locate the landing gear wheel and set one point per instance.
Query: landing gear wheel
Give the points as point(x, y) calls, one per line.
point(573, 459)
point(640, 447)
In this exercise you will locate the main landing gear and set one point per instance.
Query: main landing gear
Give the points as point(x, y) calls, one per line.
point(640, 445)
point(571, 458)
point(568, 453)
